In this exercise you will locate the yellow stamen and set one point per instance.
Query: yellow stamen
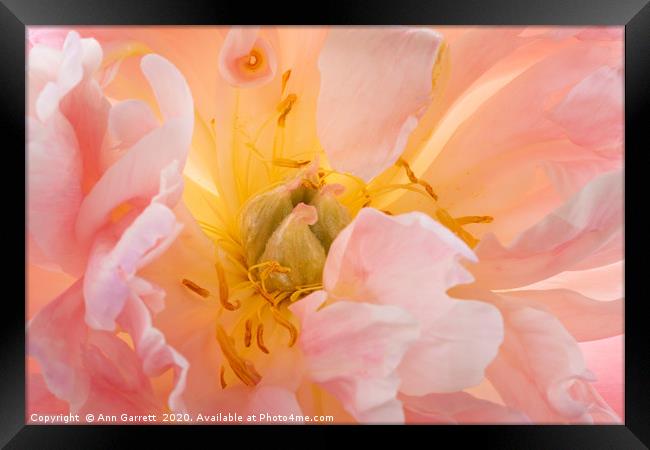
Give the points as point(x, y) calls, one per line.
point(411, 176)
point(223, 289)
point(248, 333)
point(260, 338)
point(293, 332)
point(285, 107)
point(296, 295)
point(195, 288)
point(465, 220)
point(285, 79)
point(243, 368)
point(445, 219)
point(291, 164)
point(222, 377)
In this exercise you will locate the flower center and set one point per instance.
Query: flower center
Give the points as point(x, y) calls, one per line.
point(287, 231)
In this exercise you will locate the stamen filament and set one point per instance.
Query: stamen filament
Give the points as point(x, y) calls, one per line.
point(195, 288)
point(243, 368)
point(465, 220)
point(223, 289)
point(411, 176)
point(222, 377)
point(260, 338)
point(248, 332)
point(293, 332)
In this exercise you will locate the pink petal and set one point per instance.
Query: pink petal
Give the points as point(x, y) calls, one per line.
point(408, 260)
point(118, 383)
point(235, 54)
point(353, 349)
point(540, 370)
point(453, 350)
point(458, 408)
point(54, 189)
point(599, 96)
point(489, 152)
point(375, 85)
point(586, 232)
point(274, 401)
point(40, 401)
point(54, 337)
point(149, 155)
point(605, 358)
point(113, 265)
point(129, 121)
point(586, 319)
point(93, 371)
point(156, 355)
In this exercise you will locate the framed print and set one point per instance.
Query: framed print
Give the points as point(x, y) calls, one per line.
point(412, 216)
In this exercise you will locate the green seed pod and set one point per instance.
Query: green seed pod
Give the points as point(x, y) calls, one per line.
point(332, 216)
point(302, 194)
point(259, 219)
point(293, 245)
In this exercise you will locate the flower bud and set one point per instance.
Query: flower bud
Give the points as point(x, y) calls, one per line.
point(332, 216)
point(293, 245)
point(259, 219)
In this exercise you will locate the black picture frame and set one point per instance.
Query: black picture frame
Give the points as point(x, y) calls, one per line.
point(15, 15)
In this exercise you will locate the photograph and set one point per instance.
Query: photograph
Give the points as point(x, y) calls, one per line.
point(319, 225)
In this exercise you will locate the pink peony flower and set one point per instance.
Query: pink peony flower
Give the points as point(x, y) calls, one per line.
point(378, 224)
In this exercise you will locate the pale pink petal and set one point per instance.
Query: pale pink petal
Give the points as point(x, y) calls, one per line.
point(489, 163)
point(540, 370)
point(156, 355)
point(148, 156)
point(274, 401)
point(129, 121)
point(353, 349)
point(375, 85)
point(600, 97)
point(453, 350)
point(586, 319)
point(458, 408)
point(55, 336)
point(46, 36)
point(586, 232)
point(118, 384)
point(112, 265)
point(40, 401)
point(69, 74)
point(235, 63)
point(605, 358)
point(408, 260)
point(54, 190)
point(93, 371)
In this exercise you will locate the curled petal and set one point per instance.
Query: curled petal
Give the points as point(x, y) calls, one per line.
point(55, 336)
point(585, 232)
point(129, 121)
point(453, 351)
point(113, 265)
point(54, 190)
point(156, 355)
point(458, 408)
point(586, 319)
point(246, 59)
point(600, 97)
point(408, 260)
point(352, 350)
point(149, 156)
point(540, 370)
point(375, 85)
